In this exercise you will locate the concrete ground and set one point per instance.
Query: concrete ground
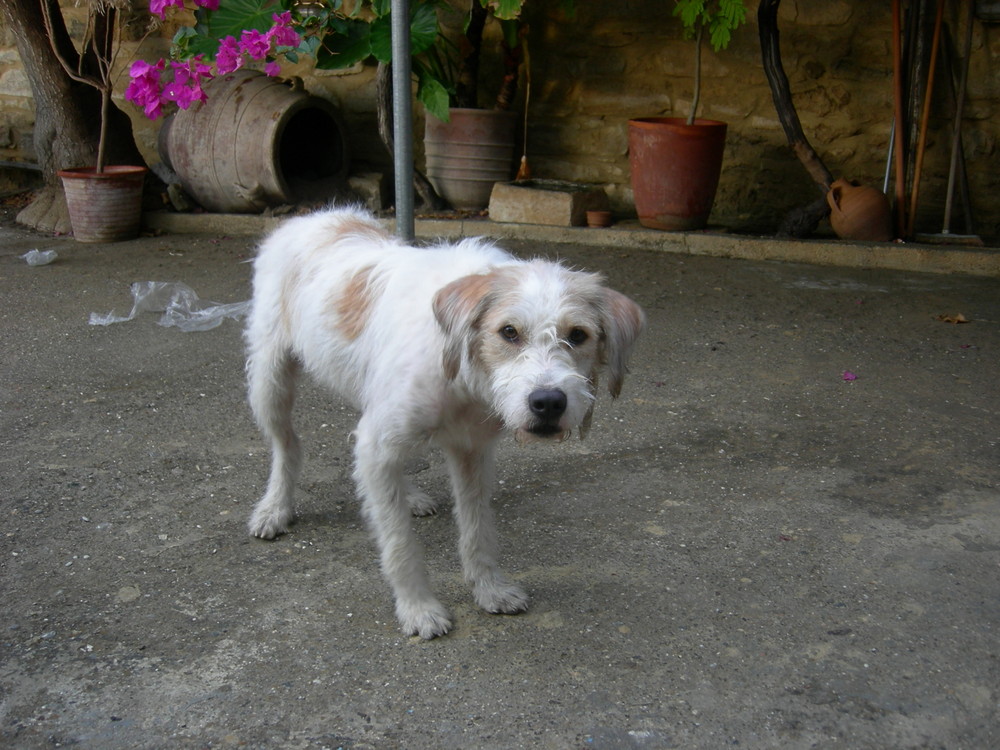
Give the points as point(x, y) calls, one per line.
point(749, 550)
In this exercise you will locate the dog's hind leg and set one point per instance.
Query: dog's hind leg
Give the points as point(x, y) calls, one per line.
point(379, 474)
point(271, 377)
point(471, 469)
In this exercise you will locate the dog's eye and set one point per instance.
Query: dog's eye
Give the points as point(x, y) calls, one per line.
point(510, 333)
point(577, 336)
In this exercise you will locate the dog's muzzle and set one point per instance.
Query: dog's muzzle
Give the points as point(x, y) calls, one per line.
point(547, 405)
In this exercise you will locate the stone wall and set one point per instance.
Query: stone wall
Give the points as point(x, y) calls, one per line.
point(611, 61)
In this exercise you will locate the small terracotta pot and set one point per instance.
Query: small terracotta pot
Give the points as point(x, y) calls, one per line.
point(104, 206)
point(859, 212)
point(598, 218)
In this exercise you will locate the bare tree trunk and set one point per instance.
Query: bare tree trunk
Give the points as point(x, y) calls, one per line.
point(429, 197)
point(467, 85)
point(802, 221)
point(67, 114)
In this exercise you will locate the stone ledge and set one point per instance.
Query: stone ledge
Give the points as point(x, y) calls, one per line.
point(914, 257)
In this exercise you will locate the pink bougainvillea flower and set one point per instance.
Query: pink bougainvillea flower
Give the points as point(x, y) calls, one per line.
point(282, 33)
point(159, 7)
point(272, 69)
point(179, 93)
point(201, 69)
point(849, 376)
point(186, 88)
point(229, 57)
point(208, 4)
point(143, 69)
point(144, 89)
point(255, 44)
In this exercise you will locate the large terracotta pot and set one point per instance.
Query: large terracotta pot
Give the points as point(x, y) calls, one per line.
point(104, 206)
point(675, 170)
point(468, 154)
point(256, 142)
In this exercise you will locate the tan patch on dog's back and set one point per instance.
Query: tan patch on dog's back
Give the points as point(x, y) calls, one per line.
point(356, 227)
point(354, 304)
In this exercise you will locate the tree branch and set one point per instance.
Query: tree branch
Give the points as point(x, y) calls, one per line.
point(767, 18)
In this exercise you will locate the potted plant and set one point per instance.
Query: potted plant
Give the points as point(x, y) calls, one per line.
point(104, 202)
point(467, 147)
point(676, 161)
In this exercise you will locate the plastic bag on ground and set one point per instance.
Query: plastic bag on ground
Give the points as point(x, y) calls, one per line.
point(38, 257)
point(180, 305)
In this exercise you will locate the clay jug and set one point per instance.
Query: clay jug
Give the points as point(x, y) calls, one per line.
point(859, 212)
point(256, 142)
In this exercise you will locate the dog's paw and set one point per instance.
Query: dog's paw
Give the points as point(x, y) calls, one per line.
point(421, 504)
point(500, 596)
point(428, 621)
point(268, 524)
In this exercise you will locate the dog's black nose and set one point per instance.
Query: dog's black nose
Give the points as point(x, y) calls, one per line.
point(548, 403)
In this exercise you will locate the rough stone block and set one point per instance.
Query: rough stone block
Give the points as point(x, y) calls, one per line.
point(561, 204)
point(370, 188)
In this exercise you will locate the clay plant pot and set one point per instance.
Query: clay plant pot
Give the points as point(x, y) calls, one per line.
point(105, 206)
point(675, 170)
point(599, 219)
point(859, 212)
point(256, 142)
point(468, 154)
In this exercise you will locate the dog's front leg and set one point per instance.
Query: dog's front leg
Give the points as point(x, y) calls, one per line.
point(379, 475)
point(472, 476)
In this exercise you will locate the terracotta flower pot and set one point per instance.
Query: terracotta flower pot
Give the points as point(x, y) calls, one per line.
point(675, 170)
point(469, 153)
point(105, 206)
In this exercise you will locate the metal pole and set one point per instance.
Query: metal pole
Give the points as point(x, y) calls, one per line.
point(402, 118)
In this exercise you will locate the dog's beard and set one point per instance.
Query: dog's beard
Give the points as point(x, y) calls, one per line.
point(524, 436)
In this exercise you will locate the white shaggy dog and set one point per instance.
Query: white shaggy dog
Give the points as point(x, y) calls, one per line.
point(449, 345)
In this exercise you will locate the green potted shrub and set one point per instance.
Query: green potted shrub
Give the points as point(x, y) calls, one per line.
point(468, 148)
point(676, 161)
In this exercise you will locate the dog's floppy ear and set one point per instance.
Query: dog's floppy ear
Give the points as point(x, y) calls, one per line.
point(623, 321)
point(457, 308)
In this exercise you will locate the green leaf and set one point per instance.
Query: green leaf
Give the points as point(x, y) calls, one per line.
point(310, 46)
point(381, 36)
point(423, 33)
point(720, 17)
point(507, 10)
point(424, 28)
point(183, 32)
point(434, 96)
point(235, 16)
point(349, 43)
